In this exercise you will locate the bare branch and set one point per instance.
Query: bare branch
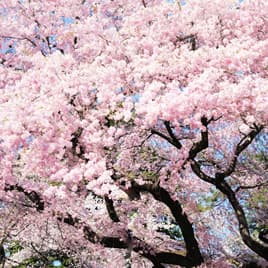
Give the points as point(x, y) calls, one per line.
point(196, 168)
point(20, 38)
point(168, 139)
point(258, 185)
point(138, 245)
point(257, 247)
point(111, 210)
point(143, 3)
point(203, 143)
point(32, 196)
point(162, 195)
point(224, 187)
point(240, 147)
point(171, 134)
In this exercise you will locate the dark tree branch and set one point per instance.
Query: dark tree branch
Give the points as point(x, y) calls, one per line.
point(69, 219)
point(193, 256)
point(240, 147)
point(138, 245)
point(2, 253)
point(188, 39)
point(32, 196)
point(244, 187)
point(263, 235)
point(257, 247)
point(143, 3)
point(20, 38)
point(203, 143)
point(196, 168)
point(75, 145)
point(224, 187)
point(141, 247)
point(168, 139)
point(171, 134)
point(111, 210)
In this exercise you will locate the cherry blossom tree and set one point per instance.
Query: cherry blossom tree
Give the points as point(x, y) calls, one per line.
point(148, 106)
